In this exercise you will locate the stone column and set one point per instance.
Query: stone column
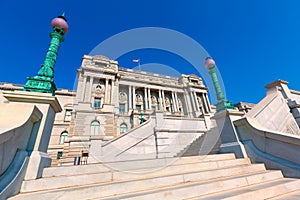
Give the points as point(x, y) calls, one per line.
point(106, 91)
point(163, 100)
point(83, 88)
point(196, 101)
point(149, 98)
point(129, 97)
point(111, 91)
point(188, 102)
point(176, 100)
point(145, 99)
point(90, 89)
point(207, 101)
point(174, 103)
point(191, 95)
point(160, 100)
point(204, 106)
point(133, 96)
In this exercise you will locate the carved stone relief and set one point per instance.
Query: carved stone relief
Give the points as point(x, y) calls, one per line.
point(123, 97)
point(153, 100)
point(99, 90)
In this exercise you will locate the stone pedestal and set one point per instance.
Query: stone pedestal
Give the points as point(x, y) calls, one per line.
point(159, 115)
point(95, 151)
point(37, 162)
point(49, 106)
point(207, 121)
point(229, 137)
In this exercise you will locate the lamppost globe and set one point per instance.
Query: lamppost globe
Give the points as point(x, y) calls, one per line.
point(60, 22)
point(209, 63)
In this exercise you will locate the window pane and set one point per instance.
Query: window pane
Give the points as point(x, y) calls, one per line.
point(95, 128)
point(123, 128)
point(68, 115)
point(59, 155)
point(63, 137)
point(122, 109)
point(97, 103)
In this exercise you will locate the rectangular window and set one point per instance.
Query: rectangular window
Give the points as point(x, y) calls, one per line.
point(59, 155)
point(194, 81)
point(68, 115)
point(97, 103)
point(121, 109)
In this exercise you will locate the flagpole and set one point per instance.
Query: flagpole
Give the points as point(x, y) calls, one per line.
point(137, 61)
point(139, 65)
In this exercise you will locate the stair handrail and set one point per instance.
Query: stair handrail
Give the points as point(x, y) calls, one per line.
point(130, 131)
point(249, 129)
point(152, 134)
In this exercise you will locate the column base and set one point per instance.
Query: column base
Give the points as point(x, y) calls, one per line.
point(228, 135)
point(224, 104)
point(40, 84)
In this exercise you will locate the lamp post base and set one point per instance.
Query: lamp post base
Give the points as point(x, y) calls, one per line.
point(224, 104)
point(40, 84)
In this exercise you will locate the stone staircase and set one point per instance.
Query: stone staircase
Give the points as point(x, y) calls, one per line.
point(203, 145)
point(171, 143)
point(72, 149)
point(218, 176)
point(156, 138)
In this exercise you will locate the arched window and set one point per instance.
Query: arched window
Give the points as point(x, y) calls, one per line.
point(123, 128)
point(95, 127)
point(63, 137)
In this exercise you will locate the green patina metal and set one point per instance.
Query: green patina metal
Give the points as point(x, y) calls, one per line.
point(44, 81)
point(142, 119)
point(222, 102)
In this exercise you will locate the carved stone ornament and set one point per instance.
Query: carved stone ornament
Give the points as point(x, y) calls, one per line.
point(139, 99)
point(167, 101)
point(122, 97)
point(87, 62)
point(179, 103)
point(153, 100)
point(99, 90)
point(199, 101)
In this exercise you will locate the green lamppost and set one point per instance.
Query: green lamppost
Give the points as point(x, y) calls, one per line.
point(222, 102)
point(44, 81)
point(142, 119)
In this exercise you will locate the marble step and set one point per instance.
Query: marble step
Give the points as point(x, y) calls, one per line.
point(194, 188)
point(265, 190)
point(134, 164)
point(143, 183)
point(95, 175)
point(295, 195)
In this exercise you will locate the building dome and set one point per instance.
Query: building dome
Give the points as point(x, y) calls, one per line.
point(60, 22)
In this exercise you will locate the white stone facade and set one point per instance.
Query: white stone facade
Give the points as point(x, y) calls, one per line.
point(110, 100)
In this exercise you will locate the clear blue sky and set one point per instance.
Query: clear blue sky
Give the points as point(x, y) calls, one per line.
point(253, 42)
